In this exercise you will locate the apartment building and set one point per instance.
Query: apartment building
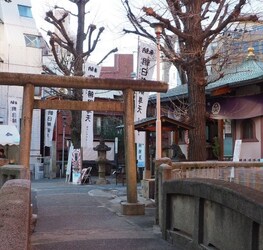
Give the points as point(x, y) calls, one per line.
point(20, 52)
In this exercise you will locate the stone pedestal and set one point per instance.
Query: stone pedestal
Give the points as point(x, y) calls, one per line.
point(148, 188)
point(102, 148)
point(132, 208)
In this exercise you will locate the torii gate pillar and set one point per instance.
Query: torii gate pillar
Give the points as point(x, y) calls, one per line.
point(25, 138)
point(132, 206)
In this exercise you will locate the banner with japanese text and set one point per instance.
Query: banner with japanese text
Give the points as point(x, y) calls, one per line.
point(69, 164)
point(50, 119)
point(14, 112)
point(146, 63)
point(76, 166)
point(140, 155)
point(88, 95)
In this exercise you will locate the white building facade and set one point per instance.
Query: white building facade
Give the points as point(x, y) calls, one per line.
point(20, 52)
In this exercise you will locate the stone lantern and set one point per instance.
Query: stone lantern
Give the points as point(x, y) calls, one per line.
point(102, 149)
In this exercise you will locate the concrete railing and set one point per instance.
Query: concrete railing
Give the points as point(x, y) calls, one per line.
point(212, 214)
point(245, 173)
point(15, 215)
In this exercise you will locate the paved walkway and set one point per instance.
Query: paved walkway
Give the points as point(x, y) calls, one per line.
point(88, 217)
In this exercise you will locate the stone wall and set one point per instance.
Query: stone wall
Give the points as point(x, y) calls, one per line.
point(15, 215)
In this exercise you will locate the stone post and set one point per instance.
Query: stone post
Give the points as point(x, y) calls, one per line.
point(158, 184)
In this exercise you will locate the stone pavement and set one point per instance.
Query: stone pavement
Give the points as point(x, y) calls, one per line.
point(79, 217)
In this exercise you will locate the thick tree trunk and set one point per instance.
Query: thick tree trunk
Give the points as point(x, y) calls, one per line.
point(76, 129)
point(78, 71)
point(197, 111)
point(196, 72)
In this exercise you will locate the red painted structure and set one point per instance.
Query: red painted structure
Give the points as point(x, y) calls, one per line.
point(122, 69)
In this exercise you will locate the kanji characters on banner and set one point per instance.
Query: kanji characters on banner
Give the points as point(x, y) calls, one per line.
point(50, 119)
point(146, 63)
point(14, 111)
point(88, 95)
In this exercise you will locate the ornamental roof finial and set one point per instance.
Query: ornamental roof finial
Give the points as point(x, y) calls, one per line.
point(250, 53)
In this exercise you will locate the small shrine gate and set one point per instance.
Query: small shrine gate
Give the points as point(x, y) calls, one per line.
point(30, 81)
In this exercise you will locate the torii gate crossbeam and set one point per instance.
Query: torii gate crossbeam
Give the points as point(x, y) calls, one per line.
point(128, 86)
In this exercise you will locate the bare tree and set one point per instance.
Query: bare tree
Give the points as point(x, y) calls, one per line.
point(195, 24)
point(69, 53)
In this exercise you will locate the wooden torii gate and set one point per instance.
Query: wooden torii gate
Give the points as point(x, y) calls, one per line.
point(30, 81)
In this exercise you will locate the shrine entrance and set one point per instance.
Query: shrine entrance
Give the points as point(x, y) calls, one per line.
point(128, 87)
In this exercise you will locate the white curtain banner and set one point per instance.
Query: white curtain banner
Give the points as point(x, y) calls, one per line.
point(146, 63)
point(14, 112)
point(50, 119)
point(88, 95)
point(92, 70)
point(68, 172)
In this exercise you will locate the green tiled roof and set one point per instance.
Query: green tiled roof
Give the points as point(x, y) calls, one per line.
point(246, 73)
point(179, 91)
point(250, 71)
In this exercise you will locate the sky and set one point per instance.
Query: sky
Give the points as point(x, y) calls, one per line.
point(110, 14)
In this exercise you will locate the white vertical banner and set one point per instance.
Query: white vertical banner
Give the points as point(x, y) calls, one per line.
point(146, 63)
point(88, 95)
point(14, 112)
point(237, 150)
point(236, 157)
point(92, 70)
point(69, 165)
point(50, 119)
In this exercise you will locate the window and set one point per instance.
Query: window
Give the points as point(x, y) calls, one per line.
point(33, 41)
point(248, 131)
point(181, 136)
point(25, 11)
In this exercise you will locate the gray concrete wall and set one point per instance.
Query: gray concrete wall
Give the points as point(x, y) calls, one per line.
point(15, 215)
point(212, 214)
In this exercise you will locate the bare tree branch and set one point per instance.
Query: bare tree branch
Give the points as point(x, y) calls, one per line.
point(61, 8)
point(195, 25)
point(109, 53)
